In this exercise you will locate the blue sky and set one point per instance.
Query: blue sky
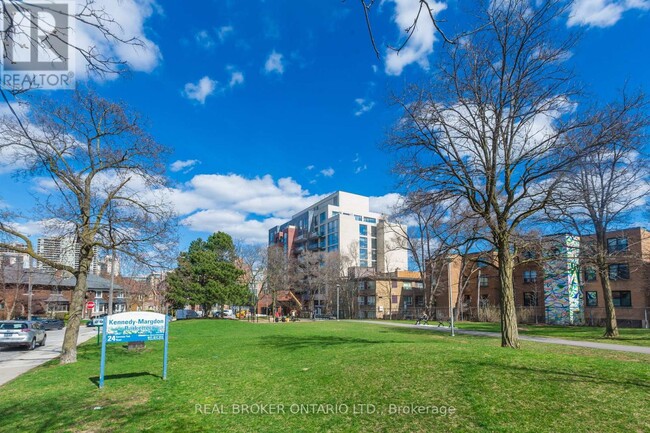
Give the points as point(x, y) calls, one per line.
point(269, 105)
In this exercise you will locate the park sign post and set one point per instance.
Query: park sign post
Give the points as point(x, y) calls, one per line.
point(130, 327)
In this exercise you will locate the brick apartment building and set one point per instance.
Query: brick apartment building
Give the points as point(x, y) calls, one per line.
point(553, 283)
point(556, 284)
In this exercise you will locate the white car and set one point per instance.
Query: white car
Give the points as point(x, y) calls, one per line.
point(227, 314)
point(21, 333)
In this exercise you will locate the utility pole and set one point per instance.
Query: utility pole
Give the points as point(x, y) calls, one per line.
point(338, 288)
point(451, 308)
point(29, 294)
point(478, 295)
point(110, 290)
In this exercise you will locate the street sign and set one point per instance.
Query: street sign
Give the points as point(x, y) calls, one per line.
point(90, 305)
point(130, 327)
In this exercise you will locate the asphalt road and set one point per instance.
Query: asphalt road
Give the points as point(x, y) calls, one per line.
point(16, 361)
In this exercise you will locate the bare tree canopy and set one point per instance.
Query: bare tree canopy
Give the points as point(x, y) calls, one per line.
point(423, 15)
point(104, 182)
point(496, 125)
point(605, 188)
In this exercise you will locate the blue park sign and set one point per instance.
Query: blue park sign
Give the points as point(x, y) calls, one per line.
point(131, 327)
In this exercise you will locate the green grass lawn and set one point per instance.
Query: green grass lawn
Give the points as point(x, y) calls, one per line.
point(629, 336)
point(539, 388)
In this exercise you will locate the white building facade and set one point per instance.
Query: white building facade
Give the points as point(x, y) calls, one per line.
point(343, 222)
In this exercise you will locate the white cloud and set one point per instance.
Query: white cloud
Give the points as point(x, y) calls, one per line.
point(128, 18)
point(186, 165)
point(244, 207)
point(274, 63)
point(363, 106)
point(309, 167)
point(360, 168)
point(201, 90)
point(204, 40)
point(385, 204)
point(236, 77)
point(327, 172)
point(420, 45)
point(223, 32)
point(602, 13)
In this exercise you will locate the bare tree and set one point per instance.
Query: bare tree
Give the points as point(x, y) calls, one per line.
point(97, 160)
point(253, 259)
point(494, 127)
point(440, 229)
point(426, 10)
point(278, 274)
point(605, 188)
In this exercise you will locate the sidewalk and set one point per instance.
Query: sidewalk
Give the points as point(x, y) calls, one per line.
point(16, 361)
point(547, 340)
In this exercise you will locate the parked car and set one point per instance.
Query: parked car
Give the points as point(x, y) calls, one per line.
point(21, 333)
point(186, 314)
point(50, 324)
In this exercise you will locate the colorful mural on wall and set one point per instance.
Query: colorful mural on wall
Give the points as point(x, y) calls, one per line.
point(562, 295)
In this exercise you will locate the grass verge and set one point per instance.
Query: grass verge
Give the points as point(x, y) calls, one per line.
point(216, 367)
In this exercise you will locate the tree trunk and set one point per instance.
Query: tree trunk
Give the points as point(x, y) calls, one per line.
point(611, 327)
point(69, 349)
point(509, 331)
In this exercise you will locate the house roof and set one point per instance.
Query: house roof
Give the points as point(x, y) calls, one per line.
point(54, 279)
point(282, 296)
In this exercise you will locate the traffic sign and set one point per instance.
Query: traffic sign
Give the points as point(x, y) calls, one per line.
point(90, 305)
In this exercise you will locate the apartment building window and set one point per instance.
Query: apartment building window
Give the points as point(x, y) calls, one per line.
point(591, 299)
point(363, 230)
point(418, 285)
point(616, 245)
point(393, 299)
point(408, 300)
point(619, 271)
point(370, 300)
point(530, 277)
point(322, 217)
point(530, 299)
point(361, 285)
point(98, 295)
point(363, 243)
point(484, 301)
point(361, 300)
point(363, 263)
point(483, 280)
point(419, 301)
point(358, 218)
point(406, 285)
point(370, 220)
point(370, 285)
point(622, 298)
point(373, 231)
point(529, 255)
point(590, 274)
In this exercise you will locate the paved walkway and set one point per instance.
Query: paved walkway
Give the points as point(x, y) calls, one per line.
point(16, 361)
point(548, 340)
